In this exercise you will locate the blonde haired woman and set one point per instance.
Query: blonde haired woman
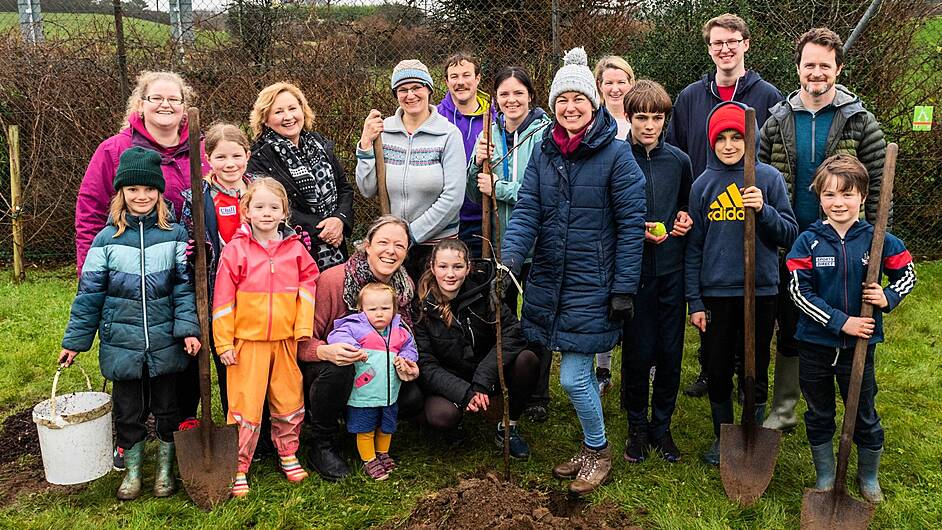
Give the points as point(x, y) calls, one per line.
point(156, 120)
point(615, 78)
point(287, 149)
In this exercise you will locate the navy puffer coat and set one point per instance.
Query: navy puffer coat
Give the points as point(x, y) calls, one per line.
point(585, 216)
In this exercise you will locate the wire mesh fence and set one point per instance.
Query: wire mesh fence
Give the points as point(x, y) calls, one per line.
point(64, 72)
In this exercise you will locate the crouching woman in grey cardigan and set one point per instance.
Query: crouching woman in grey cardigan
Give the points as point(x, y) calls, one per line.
point(425, 163)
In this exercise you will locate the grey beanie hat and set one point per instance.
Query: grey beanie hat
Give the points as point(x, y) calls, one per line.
point(411, 71)
point(574, 76)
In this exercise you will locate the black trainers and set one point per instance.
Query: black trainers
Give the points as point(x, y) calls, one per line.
point(604, 375)
point(518, 446)
point(118, 459)
point(456, 436)
point(666, 447)
point(537, 412)
point(698, 388)
point(636, 448)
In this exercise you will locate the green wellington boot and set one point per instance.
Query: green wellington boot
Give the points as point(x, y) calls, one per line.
point(130, 488)
point(823, 458)
point(785, 395)
point(164, 482)
point(721, 413)
point(868, 466)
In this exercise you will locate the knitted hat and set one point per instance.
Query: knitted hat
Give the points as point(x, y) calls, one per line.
point(139, 167)
point(574, 76)
point(728, 116)
point(410, 71)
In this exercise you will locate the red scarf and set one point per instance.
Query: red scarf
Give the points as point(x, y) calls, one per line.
point(567, 145)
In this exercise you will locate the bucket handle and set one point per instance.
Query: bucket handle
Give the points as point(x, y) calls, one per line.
point(55, 383)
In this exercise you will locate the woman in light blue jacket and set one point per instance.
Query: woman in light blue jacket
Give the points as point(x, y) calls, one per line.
point(425, 163)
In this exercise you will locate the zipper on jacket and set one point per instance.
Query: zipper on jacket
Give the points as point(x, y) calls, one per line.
point(140, 224)
point(814, 140)
point(405, 172)
point(471, 332)
point(653, 204)
point(846, 304)
point(271, 316)
point(388, 375)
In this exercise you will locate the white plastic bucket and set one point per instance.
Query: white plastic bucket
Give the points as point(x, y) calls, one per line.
point(75, 434)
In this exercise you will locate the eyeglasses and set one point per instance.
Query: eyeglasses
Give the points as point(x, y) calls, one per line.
point(408, 91)
point(158, 100)
point(731, 44)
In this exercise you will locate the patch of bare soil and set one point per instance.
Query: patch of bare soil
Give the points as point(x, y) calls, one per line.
point(18, 436)
point(490, 503)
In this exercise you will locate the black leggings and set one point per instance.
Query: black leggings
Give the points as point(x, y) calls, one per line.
point(442, 414)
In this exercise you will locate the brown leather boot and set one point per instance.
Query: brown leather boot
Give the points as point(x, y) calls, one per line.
point(596, 470)
point(569, 469)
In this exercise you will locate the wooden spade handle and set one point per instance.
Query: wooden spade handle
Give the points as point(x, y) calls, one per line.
point(749, 273)
point(381, 174)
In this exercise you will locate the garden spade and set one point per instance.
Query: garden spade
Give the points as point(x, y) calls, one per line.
point(382, 191)
point(748, 451)
point(206, 455)
point(835, 508)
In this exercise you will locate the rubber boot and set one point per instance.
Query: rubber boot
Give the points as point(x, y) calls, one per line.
point(868, 466)
point(595, 471)
point(785, 395)
point(130, 488)
point(823, 458)
point(327, 461)
point(164, 482)
point(722, 413)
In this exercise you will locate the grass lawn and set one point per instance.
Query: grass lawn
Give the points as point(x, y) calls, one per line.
point(65, 26)
point(659, 495)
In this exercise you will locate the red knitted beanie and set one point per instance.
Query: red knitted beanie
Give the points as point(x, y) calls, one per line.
point(729, 116)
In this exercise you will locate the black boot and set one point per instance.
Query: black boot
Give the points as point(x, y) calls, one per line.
point(699, 387)
point(326, 460)
point(722, 413)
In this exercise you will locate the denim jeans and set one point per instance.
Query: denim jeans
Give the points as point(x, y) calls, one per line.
point(577, 377)
point(816, 377)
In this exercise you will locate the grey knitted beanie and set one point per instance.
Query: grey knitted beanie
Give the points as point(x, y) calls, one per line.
point(410, 71)
point(574, 76)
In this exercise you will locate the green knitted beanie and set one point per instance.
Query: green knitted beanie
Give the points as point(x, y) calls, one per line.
point(139, 167)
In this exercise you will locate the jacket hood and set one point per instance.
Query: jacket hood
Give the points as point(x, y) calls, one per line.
point(245, 232)
point(476, 284)
point(845, 101)
point(362, 323)
point(743, 85)
point(713, 162)
point(435, 124)
point(601, 132)
point(826, 231)
point(447, 106)
point(142, 137)
point(536, 115)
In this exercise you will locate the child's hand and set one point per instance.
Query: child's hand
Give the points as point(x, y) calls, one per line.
point(191, 345)
point(67, 356)
point(651, 238)
point(752, 198)
point(699, 320)
point(484, 183)
point(478, 403)
point(406, 369)
point(682, 224)
point(873, 294)
point(228, 358)
point(859, 327)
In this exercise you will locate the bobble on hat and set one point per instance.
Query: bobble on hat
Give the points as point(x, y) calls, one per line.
point(575, 76)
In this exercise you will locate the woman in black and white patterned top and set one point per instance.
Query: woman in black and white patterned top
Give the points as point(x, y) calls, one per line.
point(304, 162)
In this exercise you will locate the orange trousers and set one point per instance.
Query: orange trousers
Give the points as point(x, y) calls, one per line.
point(265, 370)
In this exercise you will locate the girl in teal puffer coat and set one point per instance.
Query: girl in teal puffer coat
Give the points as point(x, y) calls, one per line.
point(133, 291)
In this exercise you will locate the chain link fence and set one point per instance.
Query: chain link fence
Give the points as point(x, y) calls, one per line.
point(64, 73)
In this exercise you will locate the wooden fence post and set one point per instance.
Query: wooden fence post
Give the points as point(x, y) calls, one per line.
point(16, 198)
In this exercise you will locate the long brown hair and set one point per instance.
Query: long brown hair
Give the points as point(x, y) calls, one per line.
point(119, 208)
point(428, 284)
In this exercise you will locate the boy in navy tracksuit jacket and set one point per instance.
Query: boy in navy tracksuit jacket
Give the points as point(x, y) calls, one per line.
point(828, 265)
point(714, 260)
point(655, 336)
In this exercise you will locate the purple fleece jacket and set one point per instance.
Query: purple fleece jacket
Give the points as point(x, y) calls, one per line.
point(96, 191)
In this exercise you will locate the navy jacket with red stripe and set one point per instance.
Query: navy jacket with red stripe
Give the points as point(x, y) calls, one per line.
point(827, 274)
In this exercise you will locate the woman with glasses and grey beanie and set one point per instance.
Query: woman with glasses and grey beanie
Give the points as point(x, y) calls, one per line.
point(581, 205)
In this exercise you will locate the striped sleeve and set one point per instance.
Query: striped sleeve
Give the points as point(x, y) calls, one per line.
point(802, 288)
point(899, 269)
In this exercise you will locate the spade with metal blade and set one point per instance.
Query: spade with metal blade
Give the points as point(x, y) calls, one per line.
point(748, 451)
point(207, 456)
point(835, 508)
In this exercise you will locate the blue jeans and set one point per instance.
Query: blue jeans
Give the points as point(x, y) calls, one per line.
point(816, 377)
point(577, 377)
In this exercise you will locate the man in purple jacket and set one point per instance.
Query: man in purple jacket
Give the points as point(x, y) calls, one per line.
point(464, 106)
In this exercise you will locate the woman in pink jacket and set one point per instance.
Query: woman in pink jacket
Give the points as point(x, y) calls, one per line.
point(156, 119)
